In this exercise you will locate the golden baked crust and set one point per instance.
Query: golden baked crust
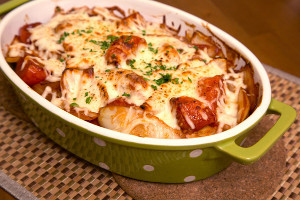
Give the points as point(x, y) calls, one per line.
point(135, 76)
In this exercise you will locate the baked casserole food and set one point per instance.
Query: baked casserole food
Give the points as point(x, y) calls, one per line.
point(127, 74)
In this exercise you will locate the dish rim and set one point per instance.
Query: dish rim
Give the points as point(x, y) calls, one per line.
point(124, 138)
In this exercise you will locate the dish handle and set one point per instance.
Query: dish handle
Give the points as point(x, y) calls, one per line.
point(9, 5)
point(251, 154)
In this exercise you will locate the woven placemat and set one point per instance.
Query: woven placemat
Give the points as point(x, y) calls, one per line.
point(49, 172)
point(44, 168)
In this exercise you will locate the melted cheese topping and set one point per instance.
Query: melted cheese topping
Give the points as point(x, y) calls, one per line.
point(79, 41)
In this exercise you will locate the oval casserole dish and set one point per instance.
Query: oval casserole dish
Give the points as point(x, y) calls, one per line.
point(148, 159)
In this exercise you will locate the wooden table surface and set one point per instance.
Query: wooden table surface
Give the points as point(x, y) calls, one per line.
point(270, 29)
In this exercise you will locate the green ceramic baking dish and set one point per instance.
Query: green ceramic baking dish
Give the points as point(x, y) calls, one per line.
point(148, 159)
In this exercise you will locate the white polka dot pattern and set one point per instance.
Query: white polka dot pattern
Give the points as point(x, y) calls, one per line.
point(148, 168)
point(195, 153)
point(34, 122)
point(100, 142)
point(103, 165)
point(60, 132)
point(189, 178)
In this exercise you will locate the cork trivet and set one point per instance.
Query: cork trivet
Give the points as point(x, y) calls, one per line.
point(256, 181)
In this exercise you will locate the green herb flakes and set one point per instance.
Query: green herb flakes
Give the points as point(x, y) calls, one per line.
point(74, 105)
point(180, 50)
point(88, 100)
point(175, 81)
point(154, 87)
point(63, 37)
point(112, 38)
point(125, 94)
point(130, 63)
point(165, 78)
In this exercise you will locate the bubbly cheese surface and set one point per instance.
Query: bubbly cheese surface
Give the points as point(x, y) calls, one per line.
point(73, 48)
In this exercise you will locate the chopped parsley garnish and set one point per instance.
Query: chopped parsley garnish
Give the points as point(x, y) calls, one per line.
point(103, 44)
point(74, 105)
point(130, 63)
point(149, 65)
point(127, 39)
point(163, 67)
point(190, 79)
point(155, 51)
point(86, 94)
point(63, 37)
point(165, 78)
point(89, 29)
point(157, 67)
point(94, 42)
point(88, 100)
point(148, 73)
point(179, 50)
point(154, 87)
point(61, 60)
point(172, 68)
point(144, 32)
point(195, 47)
point(112, 38)
point(107, 70)
point(125, 94)
point(74, 99)
point(78, 32)
point(175, 81)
